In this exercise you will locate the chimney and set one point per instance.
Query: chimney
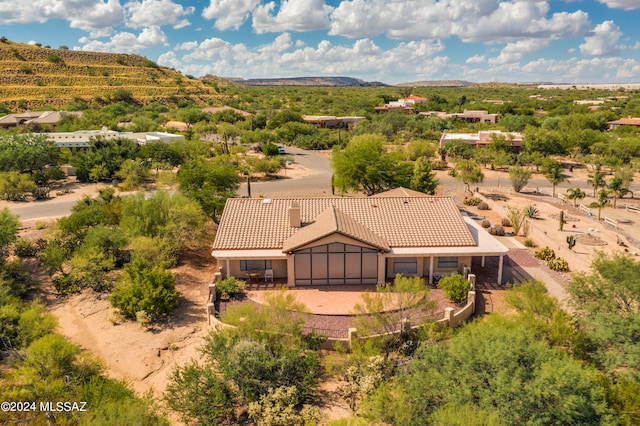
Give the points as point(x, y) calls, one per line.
point(294, 215)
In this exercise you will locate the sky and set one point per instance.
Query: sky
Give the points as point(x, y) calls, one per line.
point(391, 41)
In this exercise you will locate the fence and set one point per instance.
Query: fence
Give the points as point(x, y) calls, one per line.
point(562, 198)
point(585, 209)
point(632, 208)
point(611, 221)
point(347, 336)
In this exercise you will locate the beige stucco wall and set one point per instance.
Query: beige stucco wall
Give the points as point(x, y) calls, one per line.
point(425, 262)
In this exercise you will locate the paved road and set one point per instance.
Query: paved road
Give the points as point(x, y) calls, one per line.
point(316, 183)
point(43, 209)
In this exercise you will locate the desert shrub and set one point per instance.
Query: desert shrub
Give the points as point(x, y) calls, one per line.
point(485, 223)
point(278, 407)
point(531, 212)
point(54, 59)
point(483, 206)
point(497, 230)
point(455, 287)
point(506, 221)
point(438, 165)
point(66, 284)
point(26, 69)
point(473, 201)
point(152, 290)
point(230, 287)
point(25, 248)
point(558, 264)
point(529, 242)
point(545, 254)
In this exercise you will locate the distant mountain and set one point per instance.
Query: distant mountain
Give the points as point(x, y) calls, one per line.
point(436, 83)
point(35, 77)
point(307, 81)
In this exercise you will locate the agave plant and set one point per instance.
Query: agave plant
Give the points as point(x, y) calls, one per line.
point(531, 212)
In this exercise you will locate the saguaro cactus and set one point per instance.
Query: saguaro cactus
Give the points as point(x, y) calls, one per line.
point(562, 221)
point(571, 242)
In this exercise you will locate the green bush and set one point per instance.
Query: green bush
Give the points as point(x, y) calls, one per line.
point(54, 59)
point(152, 290)
point(66, 284)
point(473, 201)
point(230, 287)
point(25, 248)
point(545, 254)
point(529, 242)
point(455, 287)
point(558, 264)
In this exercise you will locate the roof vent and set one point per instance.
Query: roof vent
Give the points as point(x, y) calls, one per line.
point(266, 201)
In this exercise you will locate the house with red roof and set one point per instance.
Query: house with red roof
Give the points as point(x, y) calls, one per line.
point(628, 121)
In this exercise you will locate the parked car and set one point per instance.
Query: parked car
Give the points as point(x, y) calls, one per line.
point(281, 150)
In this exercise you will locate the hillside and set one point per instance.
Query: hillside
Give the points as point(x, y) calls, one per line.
point(33, 77)
point(308, 81)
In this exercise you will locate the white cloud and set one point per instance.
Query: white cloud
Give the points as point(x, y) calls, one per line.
point(293, 15)
point(604, 40)
point(96, 17)
point(187, 45)
point(621, 4)
point(476, 59)
point(229, 14)
point(513, 52)
point(284, 57)
point(125, 42)
point(489, 21)
point(147, 13)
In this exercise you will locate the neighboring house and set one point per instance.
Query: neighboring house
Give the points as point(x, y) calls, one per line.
point(468, 116)
point(81, 138)
point(342, 241)
point(213, 110)
point(39, 118)
point(484, 138)
point(331, 121)
point(629, 121)
point(403, 105)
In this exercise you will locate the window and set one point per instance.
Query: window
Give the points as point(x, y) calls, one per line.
point(336, 263)
point(448, 262)
point(405, 265)
point(255, 265)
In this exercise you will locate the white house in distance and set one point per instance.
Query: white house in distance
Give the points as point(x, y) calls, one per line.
point(484, 138)
point(342, 241)
point(81, 138)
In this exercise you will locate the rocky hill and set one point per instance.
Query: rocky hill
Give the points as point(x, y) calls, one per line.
point(308, 81)
point(33, 77)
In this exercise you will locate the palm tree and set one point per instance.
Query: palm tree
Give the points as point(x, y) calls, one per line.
point(603, 201)
point(553, 172)
point(575, 194)
point(596, 179)
point(617, 188)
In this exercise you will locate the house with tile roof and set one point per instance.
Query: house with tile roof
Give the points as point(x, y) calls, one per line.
point(627, 121)
point(342, 241)
point(484, 137)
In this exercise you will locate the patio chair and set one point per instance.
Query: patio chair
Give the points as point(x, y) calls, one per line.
point(268, 275)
